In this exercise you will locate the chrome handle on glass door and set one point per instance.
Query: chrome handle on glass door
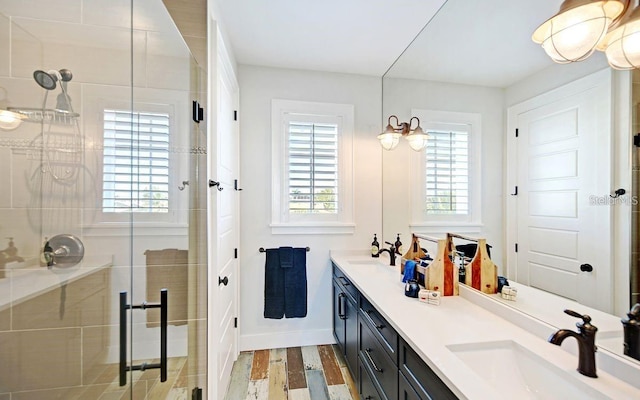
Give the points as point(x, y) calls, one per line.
point(163, 306)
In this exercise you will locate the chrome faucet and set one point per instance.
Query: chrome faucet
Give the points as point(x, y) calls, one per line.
point(586, 337)
point(8, 255)
point(392, 253)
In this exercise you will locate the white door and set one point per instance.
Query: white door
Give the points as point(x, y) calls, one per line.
point(563, 172)
point(225, 227)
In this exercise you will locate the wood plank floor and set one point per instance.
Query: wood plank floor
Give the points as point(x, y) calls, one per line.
point(294, 373)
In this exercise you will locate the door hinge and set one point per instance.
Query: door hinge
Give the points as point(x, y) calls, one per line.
point(516, 245)
point(517, 133)
point(198, 112)
point(235, 253)
point(235, 322)
point(235, 185)
point(636, 140)
point(515, 191)
point(235, 115)
point(196, 394)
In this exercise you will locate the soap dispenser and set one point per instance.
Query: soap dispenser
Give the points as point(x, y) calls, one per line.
point(375, 247)
point(631, 326)
point(398, 245)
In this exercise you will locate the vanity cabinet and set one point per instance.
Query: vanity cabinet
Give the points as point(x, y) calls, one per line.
point(384, 366)
point(345, 318)
point(419, 377)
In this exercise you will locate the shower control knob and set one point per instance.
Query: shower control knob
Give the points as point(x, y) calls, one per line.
point(224, 281)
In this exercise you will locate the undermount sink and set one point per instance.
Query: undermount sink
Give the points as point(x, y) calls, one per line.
point(372, 261)
point(511, 368)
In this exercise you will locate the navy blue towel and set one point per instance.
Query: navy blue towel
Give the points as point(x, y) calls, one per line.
point(285, 283)
point(295, 284)
point(273, 286)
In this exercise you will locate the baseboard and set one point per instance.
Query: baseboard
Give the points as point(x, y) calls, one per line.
point(286, 339)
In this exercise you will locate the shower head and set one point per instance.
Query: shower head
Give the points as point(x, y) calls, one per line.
point(48, 79)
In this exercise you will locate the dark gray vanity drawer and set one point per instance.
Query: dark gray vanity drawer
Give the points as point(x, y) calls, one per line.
point(382, 368)
point(423, 380)
point(340, 277)
point(366, 388)
point(405, 391)
point(384, 332)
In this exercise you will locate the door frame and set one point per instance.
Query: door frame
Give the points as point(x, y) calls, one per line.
point(219, 63)
point(620, 168)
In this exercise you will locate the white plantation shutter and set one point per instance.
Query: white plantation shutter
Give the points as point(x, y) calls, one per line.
point(135, 162)
point(312, 167)
point(447, 172)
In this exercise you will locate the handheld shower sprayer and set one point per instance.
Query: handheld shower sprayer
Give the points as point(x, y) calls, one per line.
point(48, 79)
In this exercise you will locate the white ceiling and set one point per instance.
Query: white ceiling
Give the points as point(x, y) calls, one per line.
point(479, 42)
point(352, 36)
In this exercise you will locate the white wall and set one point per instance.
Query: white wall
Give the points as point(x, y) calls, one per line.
point(402, 95)
point(258, 86)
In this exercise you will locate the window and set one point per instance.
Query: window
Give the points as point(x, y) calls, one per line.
point(135, 176)
point(446, 179)
point(312, 167)
point(447, 171)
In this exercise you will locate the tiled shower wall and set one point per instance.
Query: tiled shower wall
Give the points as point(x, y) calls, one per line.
point(112, 67)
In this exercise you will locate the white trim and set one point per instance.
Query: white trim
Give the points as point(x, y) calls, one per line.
point(313, 228)
point(454, 227)
point(286, 339)
point(340, 223)
point(474, 217)
point(141, 228)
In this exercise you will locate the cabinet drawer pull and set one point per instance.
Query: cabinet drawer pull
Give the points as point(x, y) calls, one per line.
point(366, 351)
point(341, 312)
point(344, 281)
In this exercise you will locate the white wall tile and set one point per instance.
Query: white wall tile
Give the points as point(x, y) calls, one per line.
point(53, 10)
point(27, 52)
point(5, 46)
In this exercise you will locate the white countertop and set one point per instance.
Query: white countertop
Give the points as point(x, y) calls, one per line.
point(429, 329)
point(21, 284)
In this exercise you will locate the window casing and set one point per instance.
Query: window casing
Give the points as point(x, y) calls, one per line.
point(312, 167)
point(446, 189)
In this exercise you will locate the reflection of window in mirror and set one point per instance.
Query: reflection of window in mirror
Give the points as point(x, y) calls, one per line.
point(311, 165)
point(446, 175)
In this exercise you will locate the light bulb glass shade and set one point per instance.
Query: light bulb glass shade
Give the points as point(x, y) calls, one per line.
point(389, 140)
point(573, 34)
point(623, 43)
point(10, 120)
point(417, 139)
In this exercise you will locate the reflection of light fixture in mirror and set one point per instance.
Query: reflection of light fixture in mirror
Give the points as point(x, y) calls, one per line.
point(10, 120)
point(622, 44)
point(578, 28)
point(390, 138)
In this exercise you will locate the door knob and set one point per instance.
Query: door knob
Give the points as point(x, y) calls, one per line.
point(224, 281)
point(586, 268)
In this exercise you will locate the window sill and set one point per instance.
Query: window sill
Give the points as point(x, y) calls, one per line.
point(446, 227)
point(139, 229)
point(310, 228)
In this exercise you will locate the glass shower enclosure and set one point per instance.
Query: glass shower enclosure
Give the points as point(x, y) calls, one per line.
point(103, 269)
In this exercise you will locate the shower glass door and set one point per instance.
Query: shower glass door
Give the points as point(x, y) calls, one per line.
point(101, 208)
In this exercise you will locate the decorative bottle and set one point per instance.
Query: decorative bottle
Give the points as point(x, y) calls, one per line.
point(375, 247)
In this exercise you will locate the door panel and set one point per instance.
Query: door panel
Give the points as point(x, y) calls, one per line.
point(563, 161)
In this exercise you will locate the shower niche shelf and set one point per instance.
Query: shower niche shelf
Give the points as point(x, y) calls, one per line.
point(46, 115)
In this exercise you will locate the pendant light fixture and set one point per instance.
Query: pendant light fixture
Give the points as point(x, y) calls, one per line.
point(390, 138)
point(622, 44)
point(578, 28)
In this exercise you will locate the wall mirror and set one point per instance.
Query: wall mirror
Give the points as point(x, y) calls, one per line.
point(476, 59)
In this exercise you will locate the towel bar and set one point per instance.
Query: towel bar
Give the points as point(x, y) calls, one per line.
point(262, 250)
